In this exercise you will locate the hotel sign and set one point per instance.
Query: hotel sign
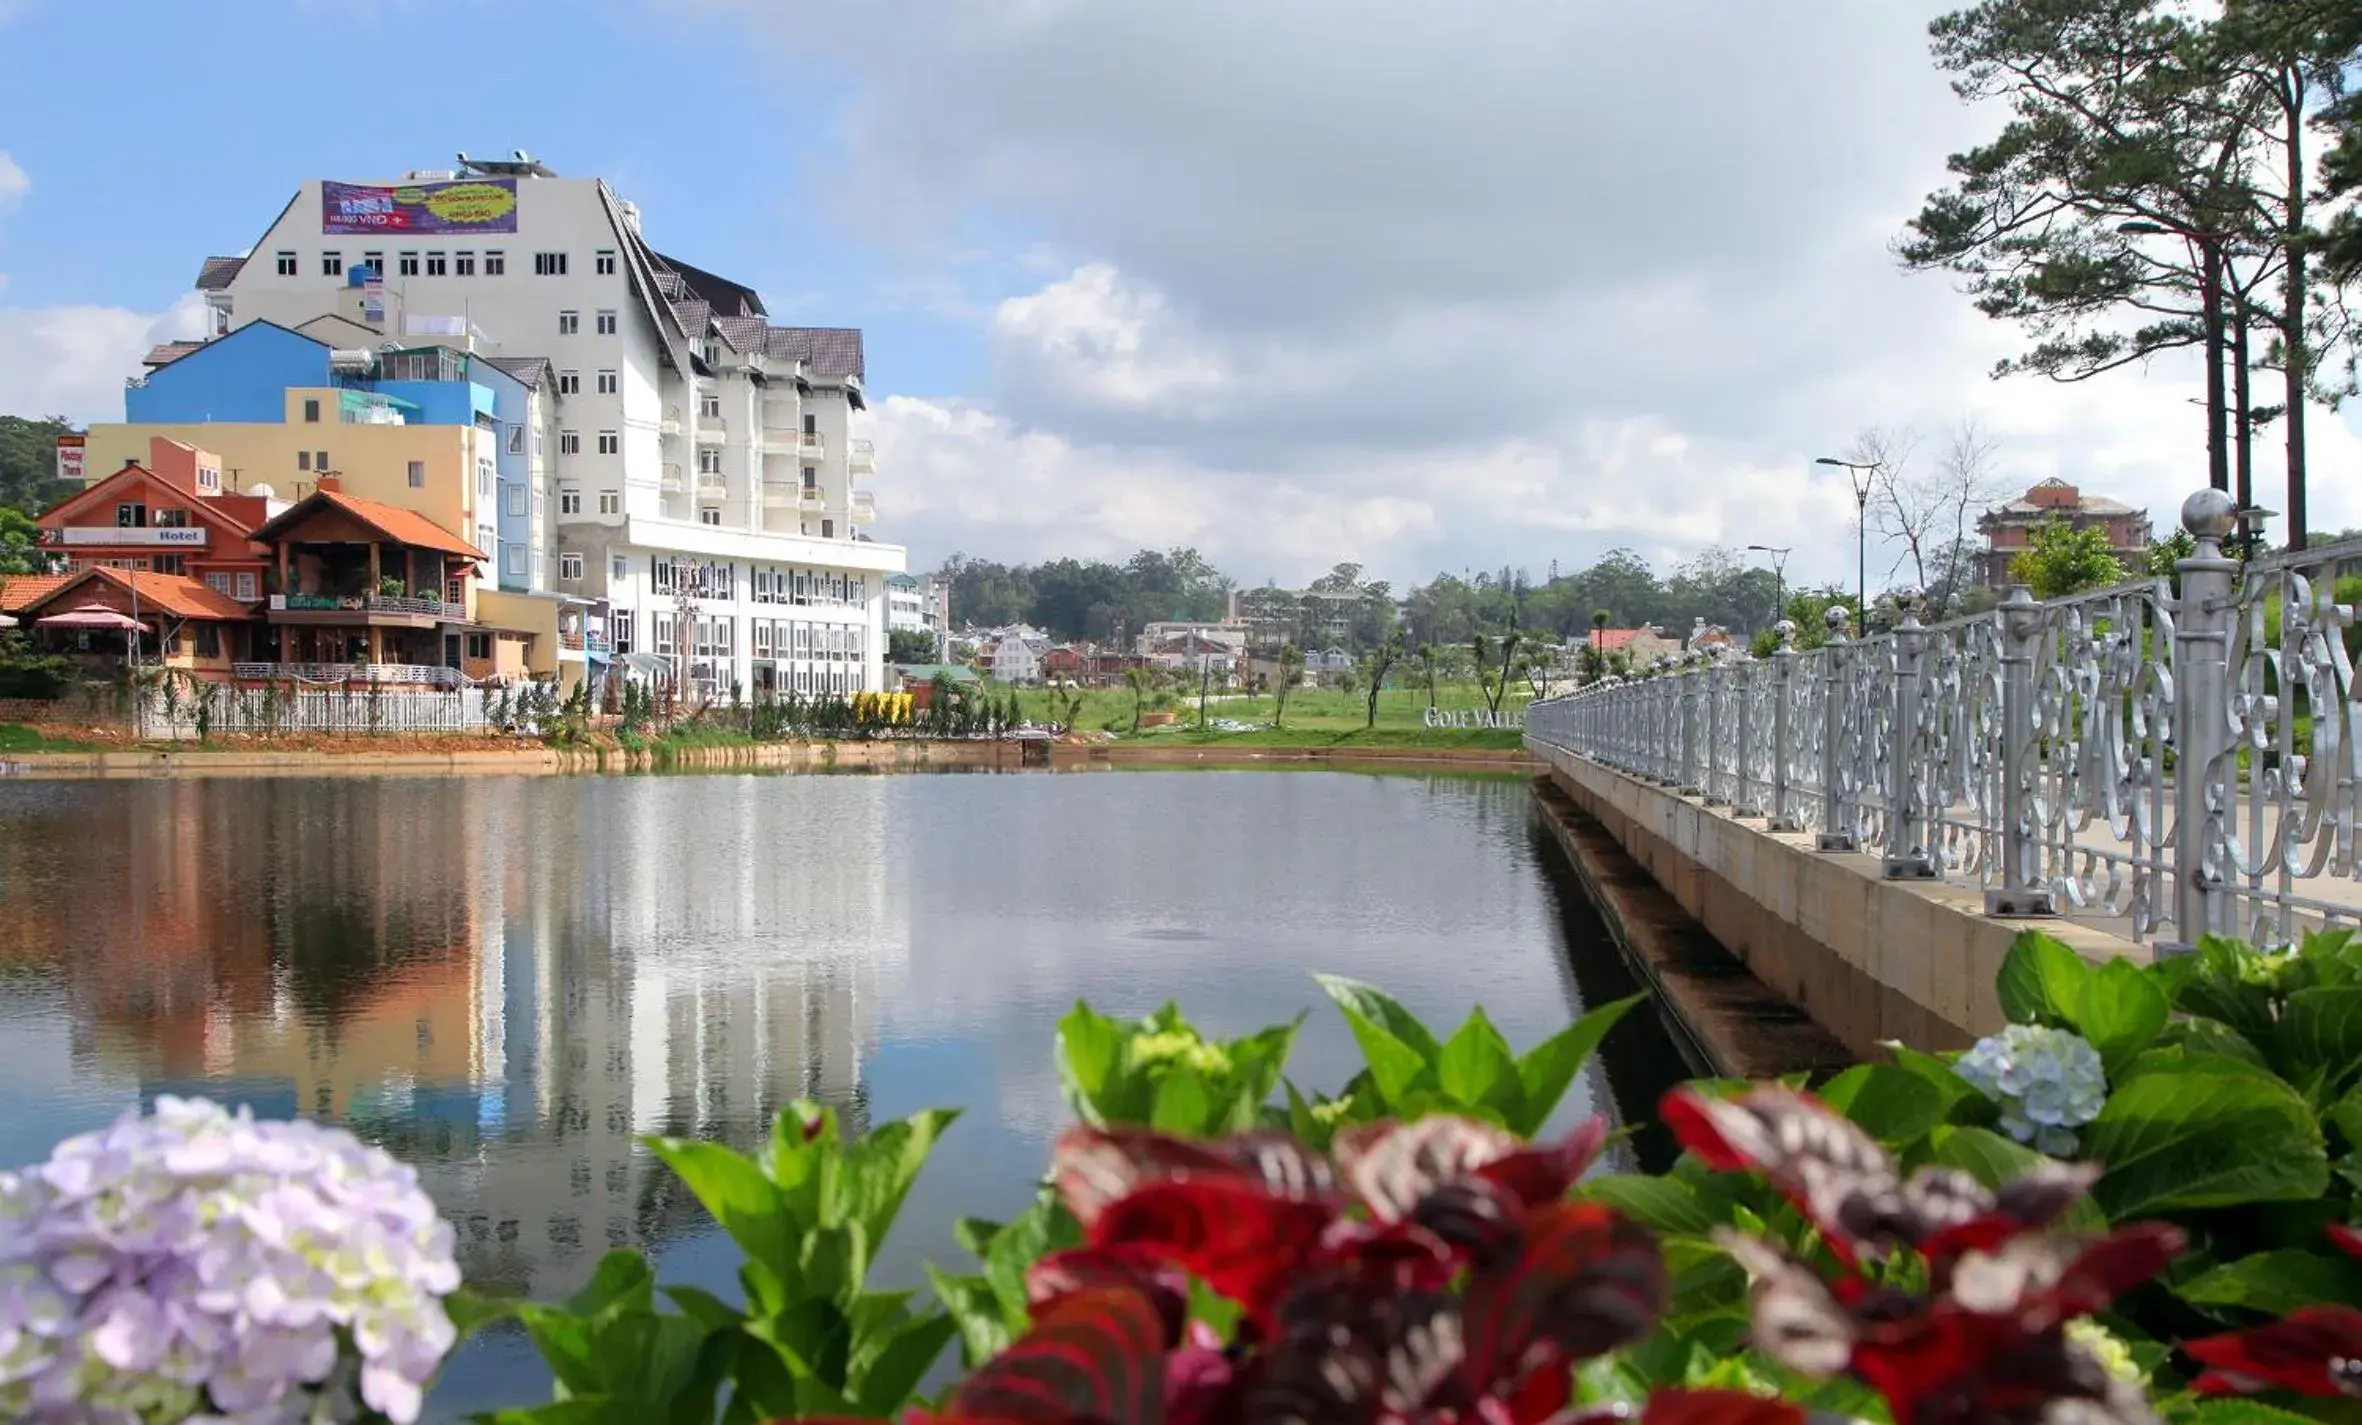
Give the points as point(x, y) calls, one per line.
point(476, 205)
point(70, 450)
point(189, 537)
point(1473, 718)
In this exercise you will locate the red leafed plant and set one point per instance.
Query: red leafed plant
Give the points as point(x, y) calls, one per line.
point(1986, 1340)
point(2313, 1350)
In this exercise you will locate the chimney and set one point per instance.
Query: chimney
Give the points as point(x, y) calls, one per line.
point(328, 484)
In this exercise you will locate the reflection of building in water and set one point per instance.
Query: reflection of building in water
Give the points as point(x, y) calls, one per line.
point(504, 982)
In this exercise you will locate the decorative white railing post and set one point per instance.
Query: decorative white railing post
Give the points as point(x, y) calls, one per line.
point(1836, 826)
point(1777, 817)
point(1743, 677)
point(1910, 827)
point(1711, 680)
point(2021, 625)
point(2204, 755)
point(1686, 684)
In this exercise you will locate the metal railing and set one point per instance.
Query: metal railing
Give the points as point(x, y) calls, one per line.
point(2188, 762)
point(367, 603)
point(331, 674)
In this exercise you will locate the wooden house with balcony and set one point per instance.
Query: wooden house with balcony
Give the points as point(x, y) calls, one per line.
point(368, 592)
point(186, 624)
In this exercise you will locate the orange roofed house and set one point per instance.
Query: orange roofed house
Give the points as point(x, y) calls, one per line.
point(2009, 528)
point(188, 625)
point(170, 516)
point(369, 591)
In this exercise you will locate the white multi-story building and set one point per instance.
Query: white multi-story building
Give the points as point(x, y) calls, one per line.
point(705, 467)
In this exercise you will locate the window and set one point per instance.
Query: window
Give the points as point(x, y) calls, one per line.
point(828, 529)
point(512, 560)
point(130, 516)
point(479, 646)
point(619, 569)
point(540, 504)
point(172, 519)
point(711, 514)
point(606, 262)
point(516, 501)
point(417, 474)
point(609, 383)
point(762, 586)
point(495, 264)
point(246, 588)
point(709, 407)
point(320, 461)
point(709, 461)
point(569, 442)
point(569, 566)
point(332, 264)
point(610, 502)
point(569, 501)
point(406, 263)
point(569, 383)
point(811, 477)
point(218, 583)
point(171, 564)
point(286, 264)
point(463, 264)
point(725, 636)
point(208, 641)
point(437, 265)
point(606, 324)
point(811, 425)
point(375, 262)
point(762, 638)
point(569, 323)
point(516, 440)
point(610, 443)
point(619, 624)
point(549, 264)
point(311, 412)
point(455, 592)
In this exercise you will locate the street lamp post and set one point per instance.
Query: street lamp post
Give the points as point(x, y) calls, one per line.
point(1779, 554)
point(1864, 475)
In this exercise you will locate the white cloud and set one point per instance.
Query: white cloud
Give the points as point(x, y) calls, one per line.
point(72, 360)
point(14, 183)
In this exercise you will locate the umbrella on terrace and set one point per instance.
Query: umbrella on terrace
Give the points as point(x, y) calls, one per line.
point(91, 616)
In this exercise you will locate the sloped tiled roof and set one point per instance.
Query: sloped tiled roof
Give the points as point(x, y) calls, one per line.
point(825, 351)
point(725, 297)
point(169, 352)
point(26, 590)
point(532, 370)
point(395, 523)
point(218, 272)
point(743, 333)
point(175, 594)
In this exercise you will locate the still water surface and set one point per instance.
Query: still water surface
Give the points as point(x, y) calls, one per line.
point(507, 981)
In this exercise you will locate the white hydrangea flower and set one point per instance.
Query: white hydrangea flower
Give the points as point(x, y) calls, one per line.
point(196, 1264)
point(2048, 1083)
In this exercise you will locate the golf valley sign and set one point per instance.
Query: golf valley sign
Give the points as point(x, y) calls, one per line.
point(1471, 718)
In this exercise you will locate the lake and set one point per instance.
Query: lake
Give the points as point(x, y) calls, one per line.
point(507, 981)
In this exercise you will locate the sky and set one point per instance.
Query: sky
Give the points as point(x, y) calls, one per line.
point(1293, 281)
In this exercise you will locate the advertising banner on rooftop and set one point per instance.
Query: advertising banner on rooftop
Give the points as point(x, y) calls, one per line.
point(475, 205)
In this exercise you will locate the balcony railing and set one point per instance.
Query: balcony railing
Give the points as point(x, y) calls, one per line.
point(811, 445)
point(674, 482)
point(671, 424)
point(712, 430)
point(862, 456)
point(367, 603)
point(782, 440)
point(598, 643)
point(865, 509)
point(780, 493)
point(711, 486)
point(425, 674)
point(811, 498)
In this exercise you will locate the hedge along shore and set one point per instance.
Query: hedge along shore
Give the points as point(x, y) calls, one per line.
point(794, 756)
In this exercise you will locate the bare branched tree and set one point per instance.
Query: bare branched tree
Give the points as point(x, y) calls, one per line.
point(1929, 508)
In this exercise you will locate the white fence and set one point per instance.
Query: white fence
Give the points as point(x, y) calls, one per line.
point(218, 710)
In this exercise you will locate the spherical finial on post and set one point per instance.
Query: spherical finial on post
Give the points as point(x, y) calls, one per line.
point(2021, 617)
point(1835, 617)
point(1785, 632)
point(2210, 515)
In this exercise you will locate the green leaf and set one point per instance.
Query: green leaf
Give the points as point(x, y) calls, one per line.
point(1545, 1070)
point(1034, 1232)
point(2242, 1412)
point(1949, 1086)
point(2322, 1034)
point(471, 1311)
point(1090, 1046)
point(1395, 1067)
point(705, 1308)
point(2232, 983)
point(974, 1233)
point(2042, 981)
point(833, 1261)
point(581, 1410)
point(1664, 1205)
point(1257, 1060)
point(2276, 1283)
point(1476, 1067)
point(748, 1205)
point(1892, 1104)
point(882, 1384)
point(622, 1278)
point(976, 1310)
point(2204, 1133)
point(567, 1346)
point(1994, 1160)
point(2196, 1034)
point(1185, 1105)
point(876, 1172)
point(1380, 1008)
point(2122, 1012)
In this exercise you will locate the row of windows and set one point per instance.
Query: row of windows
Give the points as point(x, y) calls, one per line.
point(717, 637)
point(460, 263)
point(570, 442)
point(570, 502)
point(570, 382)
point(570, 322)
point(824, 588)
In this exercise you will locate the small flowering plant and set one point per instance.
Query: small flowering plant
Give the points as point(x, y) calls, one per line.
point(196, 1264)
point(2047, 1083)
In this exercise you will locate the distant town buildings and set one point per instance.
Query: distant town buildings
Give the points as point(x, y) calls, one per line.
point(2010, 527)
point(646, 472)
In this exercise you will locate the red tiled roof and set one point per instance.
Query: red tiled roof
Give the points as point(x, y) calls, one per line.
point(26, 590)
point(395, 523)
point(1611, 639)
point(174, 594)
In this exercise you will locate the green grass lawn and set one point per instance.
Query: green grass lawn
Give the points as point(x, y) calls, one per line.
point(1316, 717)
point(16, 737)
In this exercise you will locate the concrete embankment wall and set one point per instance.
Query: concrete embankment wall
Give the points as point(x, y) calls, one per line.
point(523, 761)
point(1869, 959)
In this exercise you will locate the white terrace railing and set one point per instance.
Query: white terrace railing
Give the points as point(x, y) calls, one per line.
point(2190, 763)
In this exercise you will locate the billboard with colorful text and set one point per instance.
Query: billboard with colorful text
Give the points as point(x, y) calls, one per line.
point(474, 205)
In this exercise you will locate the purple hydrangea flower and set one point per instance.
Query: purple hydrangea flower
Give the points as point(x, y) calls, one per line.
point(196, 1264)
